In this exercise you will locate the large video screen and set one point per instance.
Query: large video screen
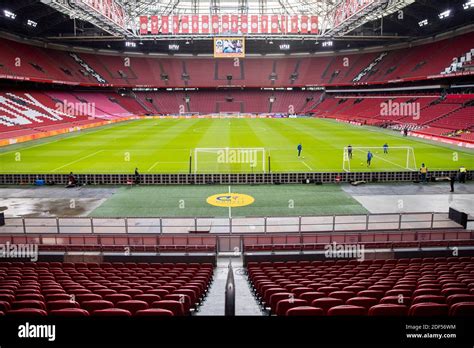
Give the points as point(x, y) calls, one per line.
point(229, 47)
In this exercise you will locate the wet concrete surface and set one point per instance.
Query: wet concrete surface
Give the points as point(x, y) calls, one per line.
point(52, 201)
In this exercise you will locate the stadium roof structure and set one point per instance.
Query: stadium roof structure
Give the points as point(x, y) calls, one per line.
point(124, 21)
point(347, 24)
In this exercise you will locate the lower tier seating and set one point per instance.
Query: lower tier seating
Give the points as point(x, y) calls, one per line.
point(107, 289)
point(414, 287)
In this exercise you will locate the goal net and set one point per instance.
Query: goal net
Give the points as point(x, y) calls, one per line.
point(229, 160)
point(394, 159)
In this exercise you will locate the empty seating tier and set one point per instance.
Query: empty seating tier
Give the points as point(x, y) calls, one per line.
point(414, 287)
point(106, 289)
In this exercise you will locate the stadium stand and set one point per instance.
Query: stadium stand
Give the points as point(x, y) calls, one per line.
point(106, 289)
point(369, 287)
point(27, 113)
point(47, 64)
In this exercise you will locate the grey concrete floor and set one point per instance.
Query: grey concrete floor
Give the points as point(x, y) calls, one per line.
point(409, 197)
point(376, 198)
point(245, 302)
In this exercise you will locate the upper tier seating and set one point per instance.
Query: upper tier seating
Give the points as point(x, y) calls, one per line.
point(94, 289)
point(414, 287)
point(46, 64)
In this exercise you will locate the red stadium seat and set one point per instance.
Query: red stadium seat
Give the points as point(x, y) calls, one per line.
point(428, 309)
point(87, 297)
point(58, 297)
point(378, 294)
point(277, 297)
point(396, 300)
point(28, 304)
point(7, 297)
point(343, 295)
point(453, 291)
point(464, 309)
point(175, 307)
point(429, 298)
point(154, 312)
point(326, 303)
point(300, 290)
point(456, 298)
point(116, 298)
point(148, 298)
point(26, 313)
point(426, 291)
point(305, 311)
point(132, 305)
point(61, 304)
point(347, 310)
point(111, 312)
point(365, 302)
point(184, 299)
point(69, 312)
point(284, 305)
point(94, 305)
point(4, 306)
point(311, 296)
point(392, 310)
point(29, 297)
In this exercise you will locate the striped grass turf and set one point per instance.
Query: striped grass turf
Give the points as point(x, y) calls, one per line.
point(165, 145)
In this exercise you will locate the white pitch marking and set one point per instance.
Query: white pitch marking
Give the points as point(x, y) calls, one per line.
point(153, 166)
point(78, 160)
point(386, 160)
point(307, 165)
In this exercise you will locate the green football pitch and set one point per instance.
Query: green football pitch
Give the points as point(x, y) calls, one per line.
point(166, 145)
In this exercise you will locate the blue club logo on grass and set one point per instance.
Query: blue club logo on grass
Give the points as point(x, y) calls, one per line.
point(231, 200)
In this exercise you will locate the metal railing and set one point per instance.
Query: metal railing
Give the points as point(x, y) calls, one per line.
point(235, 225)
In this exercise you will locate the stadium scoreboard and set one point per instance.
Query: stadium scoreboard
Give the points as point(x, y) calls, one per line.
point(229, 47)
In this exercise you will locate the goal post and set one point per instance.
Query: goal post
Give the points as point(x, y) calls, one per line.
point(230, 160)
point(396, 158)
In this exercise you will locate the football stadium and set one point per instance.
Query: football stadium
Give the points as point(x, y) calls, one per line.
point(280, 172)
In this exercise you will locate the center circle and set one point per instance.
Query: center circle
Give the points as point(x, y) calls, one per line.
point(231, 200)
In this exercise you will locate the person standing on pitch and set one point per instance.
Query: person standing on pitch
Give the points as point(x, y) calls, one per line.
point(349, 151)
point(369, 158)
point(300, 148)
point(385, 148)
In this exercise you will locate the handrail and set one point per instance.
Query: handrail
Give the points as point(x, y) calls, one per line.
point(230, 292)
point(236, 225)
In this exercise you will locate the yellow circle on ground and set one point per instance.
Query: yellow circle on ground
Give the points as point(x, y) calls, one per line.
point(231, 200)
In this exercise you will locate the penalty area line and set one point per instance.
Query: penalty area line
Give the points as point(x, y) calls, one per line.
point(78, 160)
point(307, 165)
point(153, 166)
